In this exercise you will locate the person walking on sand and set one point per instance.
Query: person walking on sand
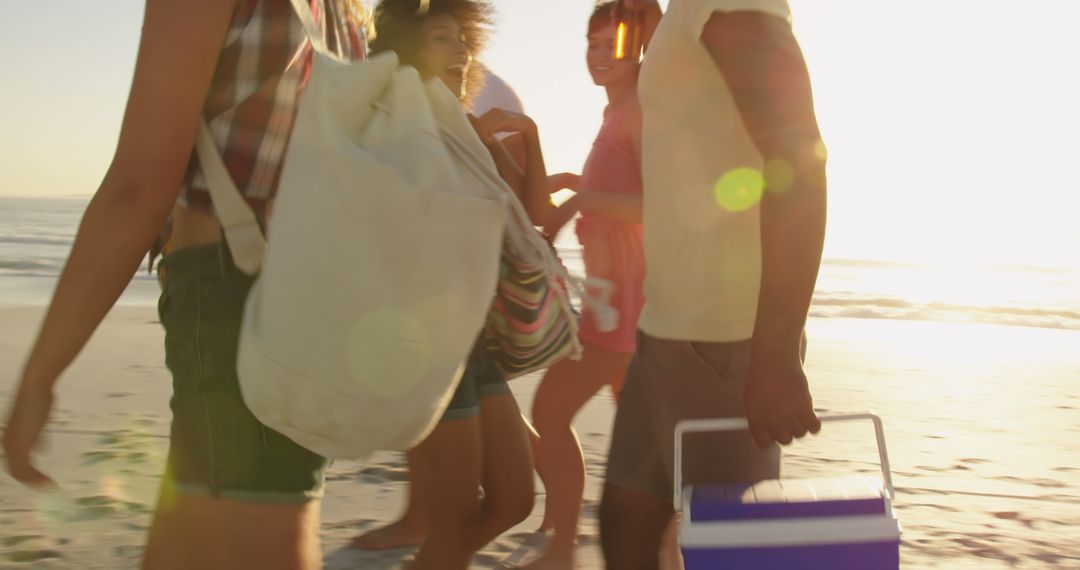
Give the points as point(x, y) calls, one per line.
point(411, 527)
point(608, 196)
point(734, 215)
point(235, 494)
point(472, 478)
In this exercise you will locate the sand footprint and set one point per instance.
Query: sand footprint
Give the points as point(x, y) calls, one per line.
point(1014, 516)
point(377, 474)
point(111, 504)
point(41, 555)
point(16, 540)
point(130, 447)
point(28, 548)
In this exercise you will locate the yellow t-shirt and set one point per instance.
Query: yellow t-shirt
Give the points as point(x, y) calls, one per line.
point(702, 241)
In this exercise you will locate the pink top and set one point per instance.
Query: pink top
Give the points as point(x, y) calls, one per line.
point(613, 164)
point(613, 250)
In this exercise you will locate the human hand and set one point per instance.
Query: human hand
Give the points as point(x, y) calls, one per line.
point(497, 121)
point(563, 181)
point(641, 5)
point(22, 433)
point(777, 401)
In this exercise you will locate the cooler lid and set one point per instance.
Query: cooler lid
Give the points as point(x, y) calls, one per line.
point(791, 498)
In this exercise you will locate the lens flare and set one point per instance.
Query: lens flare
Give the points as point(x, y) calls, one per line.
point(739, 189)
point(51, 510)
point(113, 487)
point(167, 495)
point(620, 41)
point(779, 176)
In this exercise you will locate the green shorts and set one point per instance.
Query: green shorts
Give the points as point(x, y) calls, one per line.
point(217, 447)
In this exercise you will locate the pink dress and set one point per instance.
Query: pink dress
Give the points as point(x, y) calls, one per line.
point(613, 249)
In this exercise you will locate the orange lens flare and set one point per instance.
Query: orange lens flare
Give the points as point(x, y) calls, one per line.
point(620, 41)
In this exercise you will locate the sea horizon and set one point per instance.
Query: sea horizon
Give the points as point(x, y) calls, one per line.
point(36, 234)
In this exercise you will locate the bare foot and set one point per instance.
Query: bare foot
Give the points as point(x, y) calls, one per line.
point(398, 534)
point(546, 527)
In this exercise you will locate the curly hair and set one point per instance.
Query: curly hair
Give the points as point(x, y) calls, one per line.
point(357, 14)
point(398, 29)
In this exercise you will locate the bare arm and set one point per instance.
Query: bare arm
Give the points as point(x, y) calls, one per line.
point(510, 160)
point(532, 186)
point(623, 207)
point(767, 75)
point(176, 61)
point(537, 198)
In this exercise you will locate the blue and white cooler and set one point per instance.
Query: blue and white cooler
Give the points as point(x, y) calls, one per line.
point(804, 524)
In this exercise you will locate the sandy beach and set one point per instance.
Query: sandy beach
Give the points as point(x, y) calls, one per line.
point(981, 419)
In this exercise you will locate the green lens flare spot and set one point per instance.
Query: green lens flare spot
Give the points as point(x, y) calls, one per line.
point(779, 176)
point(740, 189)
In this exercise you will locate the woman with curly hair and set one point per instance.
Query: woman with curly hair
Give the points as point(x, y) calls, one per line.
point(471, 479)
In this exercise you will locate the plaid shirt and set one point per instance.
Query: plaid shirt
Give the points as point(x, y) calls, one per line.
point(253, 98)
point(252, 101)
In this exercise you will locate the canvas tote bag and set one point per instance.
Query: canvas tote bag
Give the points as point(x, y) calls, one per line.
point(531, 324)
point(381, 260)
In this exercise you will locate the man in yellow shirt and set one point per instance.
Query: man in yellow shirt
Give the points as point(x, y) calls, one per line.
point(734, 214)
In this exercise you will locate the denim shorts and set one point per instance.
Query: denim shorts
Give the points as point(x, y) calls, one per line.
point(481, 379)
point(217, 447)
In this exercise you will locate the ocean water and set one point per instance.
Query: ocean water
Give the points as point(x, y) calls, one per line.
point(36, 236)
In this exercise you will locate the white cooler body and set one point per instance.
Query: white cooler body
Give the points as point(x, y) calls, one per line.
point(790, 524)
point(781, 525)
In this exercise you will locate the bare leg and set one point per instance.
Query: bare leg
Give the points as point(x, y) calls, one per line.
point(565, 389)
point(451, 464)
point(191, 531)
point(509, 492)
point(534, 445)
point(632, 526)
point(670, 555)
point(409, 530)
point(448, 465)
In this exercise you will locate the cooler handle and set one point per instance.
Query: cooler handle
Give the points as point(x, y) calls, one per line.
point(740, 424)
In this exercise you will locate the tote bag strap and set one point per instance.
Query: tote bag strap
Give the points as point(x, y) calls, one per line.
point(238, 222)
point(314, 33)
point(522, 234)
point(317, 36)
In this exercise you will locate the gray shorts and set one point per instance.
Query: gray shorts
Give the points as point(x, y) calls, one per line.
point(669, 381)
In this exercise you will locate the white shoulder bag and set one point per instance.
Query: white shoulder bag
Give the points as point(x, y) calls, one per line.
point(381, 261)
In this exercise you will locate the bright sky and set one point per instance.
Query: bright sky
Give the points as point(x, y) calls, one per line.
point(953, 126)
